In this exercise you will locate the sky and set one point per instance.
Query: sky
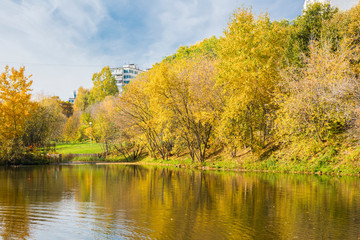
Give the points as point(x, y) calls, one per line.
point(62, 43)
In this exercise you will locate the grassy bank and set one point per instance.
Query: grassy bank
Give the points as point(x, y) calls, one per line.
point(308, 157)
point(315, 166)
point(304, 156)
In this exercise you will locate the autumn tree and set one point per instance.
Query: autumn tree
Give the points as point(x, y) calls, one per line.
point(45, 125)
point(104, 84)
point(104, 125)
point(15, 107)
point(353, 35)
point(187, 102)
point(71, 129)
point(250, 55)
point(78, 127)
point(321, 98)
point(82, 99)
point(67, 108)
point(309, 25)
point(135, 108)
point(129, 132)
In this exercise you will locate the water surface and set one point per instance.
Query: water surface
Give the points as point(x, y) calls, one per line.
point(136, 202)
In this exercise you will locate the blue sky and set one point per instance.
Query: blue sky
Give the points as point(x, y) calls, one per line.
point(63, 42)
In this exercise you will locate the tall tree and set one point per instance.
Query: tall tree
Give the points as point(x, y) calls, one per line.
point(15, 107)
point(104, 85)
point(321, 98)
point(250, 56)
point(187, 102)
point(82, 100)
point(46, 123)
point(138, 116)
point(353, 33)
point(309, 25)
point(104, 127)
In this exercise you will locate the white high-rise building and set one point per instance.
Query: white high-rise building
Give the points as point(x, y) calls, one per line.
point(124, 74)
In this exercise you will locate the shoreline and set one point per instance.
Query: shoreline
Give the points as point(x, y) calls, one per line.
point(207, 168)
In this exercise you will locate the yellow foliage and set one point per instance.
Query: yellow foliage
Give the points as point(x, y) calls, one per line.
point(250, 58)
point(322, 97)
point(187, 102)
point(15, 103)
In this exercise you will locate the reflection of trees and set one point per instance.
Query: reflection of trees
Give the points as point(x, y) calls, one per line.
point(21, 187)
point(158, 203)
point(183, 203)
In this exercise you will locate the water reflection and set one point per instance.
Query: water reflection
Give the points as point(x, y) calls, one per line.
point(116, 201)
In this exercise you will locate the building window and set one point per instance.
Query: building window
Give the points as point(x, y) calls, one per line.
point(126, 82)
point(126, 71)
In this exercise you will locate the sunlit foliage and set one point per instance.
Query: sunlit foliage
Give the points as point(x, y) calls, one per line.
point(321, 98)
point(103, 85)
point(15, 107)
point(250, 56)
point(263, 83)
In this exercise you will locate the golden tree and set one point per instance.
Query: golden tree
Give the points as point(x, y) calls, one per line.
point(15, 107)
point(250, 55)
point(187, 102)
point(138, 116)
point(321, 98)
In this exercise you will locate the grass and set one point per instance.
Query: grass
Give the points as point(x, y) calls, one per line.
point(299, 157)
point(78, 148)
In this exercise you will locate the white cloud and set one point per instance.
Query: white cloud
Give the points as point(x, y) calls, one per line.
point(63, 42)
point(186, 22)
point(46, 35)
point(344, 4)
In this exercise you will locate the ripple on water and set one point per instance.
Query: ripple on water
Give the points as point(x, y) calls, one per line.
point(128, 202)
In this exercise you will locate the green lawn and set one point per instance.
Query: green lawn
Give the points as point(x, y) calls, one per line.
point(76, 148)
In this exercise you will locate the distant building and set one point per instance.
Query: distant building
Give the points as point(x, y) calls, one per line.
point(124, 74)
point(72, 100)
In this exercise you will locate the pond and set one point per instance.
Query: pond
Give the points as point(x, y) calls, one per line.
point(139, 202)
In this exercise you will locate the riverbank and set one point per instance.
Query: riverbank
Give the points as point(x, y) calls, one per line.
point(314, 167)
point(307, 156)
point(302, 157)
point(269, 165)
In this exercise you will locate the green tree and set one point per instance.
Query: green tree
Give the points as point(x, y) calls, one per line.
point(310, 27)
point(207, 47)
point(104, 84)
